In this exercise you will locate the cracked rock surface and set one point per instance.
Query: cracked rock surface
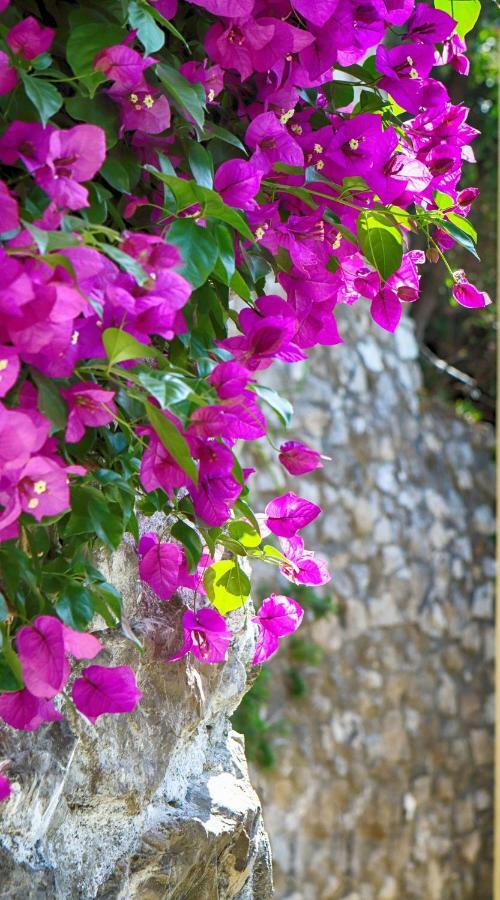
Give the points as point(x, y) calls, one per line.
point(156, 804)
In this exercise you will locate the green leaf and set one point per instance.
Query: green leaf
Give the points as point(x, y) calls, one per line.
point(121, 346)
point(459, 234)
point(240, 287)
point(201, 164)
point(188, 193)
point(338, 94)
point(282, 407)
point(463, 224)
point(50, 240)
point(226, 585)
point(216, 131)
point(190, 97)
point(272, 553)
point(11, 678)
point(381, 242)
point(168, 25)
point(44, 96)
point(244, 534)
point(50, 402)
point(190, 540)
point(465, 13)
point(121, 169)
point(225, 242)
point(151, 37)
point(197, 247)
point(4, 609)
point(166, 387)
point(75, 607)
point(172, 440)
point(126, 262)
point(84, 43)
point(98, 110)
point(107, 602)
point(443, 201)
point(245, 511)
point(92, 514)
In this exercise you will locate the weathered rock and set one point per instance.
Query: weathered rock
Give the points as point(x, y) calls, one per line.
point(390, 751)
point(156, 804)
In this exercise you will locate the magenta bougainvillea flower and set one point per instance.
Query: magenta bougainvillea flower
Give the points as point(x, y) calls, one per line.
point(24, 711)
point(127, 366)
point(206, 636)
point(466, 294)
point(28, 38)
point(159, 565)
point(302, 566)
point(40, 648)
point(101, 690)
point(5, 788)
point(10, 365)
point(298, 459)
point(74, 155)
point(10, 209)
point(8, 74)
point(88, 405)
point(238, 181)
point(288, 514)
point(277, 616)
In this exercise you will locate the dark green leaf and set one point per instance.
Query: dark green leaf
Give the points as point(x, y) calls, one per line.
point(107, 602)
point(151, 37)
point(11, 678)
point(166, 387)
point(381, 242)
point(282, 407)
point(245, 511)
point(50, 402)
point(197, 247)
point(84, 43)
point(201, 164)
point(98, 110)
point(4, 609)
point(44, 96)
point(191, 542)
point(225, 242)
point(461, 231)
point(121, 169)
point(172, 440)
point(216, 131)
point(75, 607)
point(126, 262)
point(190, 97)
point(92, 514)
point(338, 94)
point(168, 25)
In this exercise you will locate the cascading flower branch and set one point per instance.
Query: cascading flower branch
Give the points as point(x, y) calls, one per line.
point(188, 191)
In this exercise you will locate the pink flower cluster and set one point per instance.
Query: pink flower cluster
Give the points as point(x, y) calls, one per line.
point(320, 195)
point(44, 648)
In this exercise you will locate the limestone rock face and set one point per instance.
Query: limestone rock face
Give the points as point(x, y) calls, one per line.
point(383, 788)
point(156, 804)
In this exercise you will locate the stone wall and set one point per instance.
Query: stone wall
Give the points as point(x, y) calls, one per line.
point(152, 805)
point(383, 791)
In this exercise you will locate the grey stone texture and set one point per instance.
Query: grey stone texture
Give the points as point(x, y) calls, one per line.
point(383, 789)
point(156, 804)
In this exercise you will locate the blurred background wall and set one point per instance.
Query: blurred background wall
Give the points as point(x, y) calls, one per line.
point(372, 729)
point(371, 732)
